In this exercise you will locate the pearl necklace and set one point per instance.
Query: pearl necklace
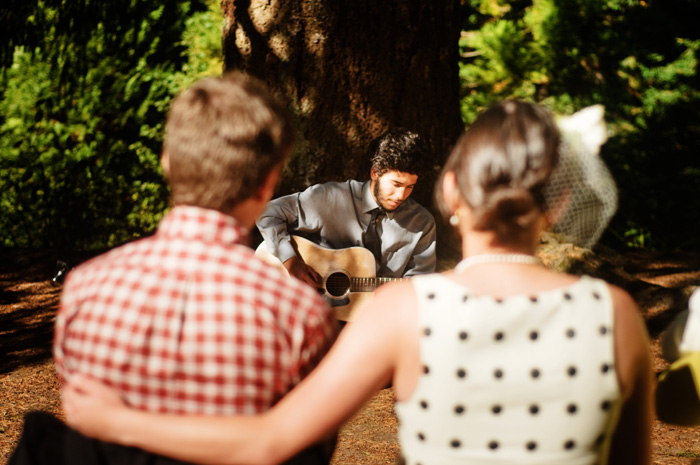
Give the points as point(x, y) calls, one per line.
point(497, 258)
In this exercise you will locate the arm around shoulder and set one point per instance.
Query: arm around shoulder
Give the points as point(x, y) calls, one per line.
point(98, 411)
point(357, 366)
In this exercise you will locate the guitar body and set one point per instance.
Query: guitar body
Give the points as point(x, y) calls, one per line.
point(344, 272)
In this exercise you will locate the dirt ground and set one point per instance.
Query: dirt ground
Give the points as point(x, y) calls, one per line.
point(28, 302)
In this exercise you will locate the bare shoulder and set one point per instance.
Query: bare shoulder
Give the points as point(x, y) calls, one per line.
point(632, 345)
point(628, 316)
point(621, 298)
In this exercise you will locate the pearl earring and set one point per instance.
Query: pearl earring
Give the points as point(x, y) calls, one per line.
point(454, 220)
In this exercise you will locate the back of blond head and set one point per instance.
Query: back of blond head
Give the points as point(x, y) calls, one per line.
point(223, 136)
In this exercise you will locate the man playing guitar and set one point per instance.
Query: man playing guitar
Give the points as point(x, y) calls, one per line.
point(376, 214)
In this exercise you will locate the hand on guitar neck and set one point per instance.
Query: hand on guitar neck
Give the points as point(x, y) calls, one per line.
point(298, 268)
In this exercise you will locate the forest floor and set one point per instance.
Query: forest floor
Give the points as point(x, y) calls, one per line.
point(28, 302)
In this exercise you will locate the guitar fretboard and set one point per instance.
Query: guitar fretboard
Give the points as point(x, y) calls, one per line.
point(370, 284)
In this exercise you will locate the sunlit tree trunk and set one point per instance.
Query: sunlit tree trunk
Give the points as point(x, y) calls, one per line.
point(349, 70)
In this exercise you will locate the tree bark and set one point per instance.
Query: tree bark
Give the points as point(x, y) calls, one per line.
point(349, 70)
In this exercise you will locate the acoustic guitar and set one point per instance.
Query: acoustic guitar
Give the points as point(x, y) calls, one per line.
point(349, 275)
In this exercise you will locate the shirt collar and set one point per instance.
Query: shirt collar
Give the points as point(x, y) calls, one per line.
point(189, 222)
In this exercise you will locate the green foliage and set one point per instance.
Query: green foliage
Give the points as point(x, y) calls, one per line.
point(85, 86)
point(639, 59)
point(79, 151)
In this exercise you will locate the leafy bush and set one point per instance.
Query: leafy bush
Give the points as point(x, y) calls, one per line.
point(79, 152)
point(572, 54)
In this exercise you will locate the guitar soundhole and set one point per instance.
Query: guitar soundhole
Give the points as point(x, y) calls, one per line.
point(337, 285)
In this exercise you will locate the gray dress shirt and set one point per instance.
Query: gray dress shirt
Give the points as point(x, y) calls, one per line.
point(336, 214)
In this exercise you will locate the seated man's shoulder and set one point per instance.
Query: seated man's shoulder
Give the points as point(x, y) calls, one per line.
point(333, 187)
point(415, 210)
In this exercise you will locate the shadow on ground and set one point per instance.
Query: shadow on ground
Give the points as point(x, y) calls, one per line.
point(28, 302)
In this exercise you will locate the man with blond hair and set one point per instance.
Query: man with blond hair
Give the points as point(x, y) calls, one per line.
point(189, 321)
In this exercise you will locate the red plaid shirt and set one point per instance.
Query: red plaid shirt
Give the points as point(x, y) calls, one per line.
point(190, 321)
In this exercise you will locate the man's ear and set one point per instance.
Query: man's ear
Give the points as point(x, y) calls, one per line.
point(165, 163)
point(373, 174)
point(269, 185)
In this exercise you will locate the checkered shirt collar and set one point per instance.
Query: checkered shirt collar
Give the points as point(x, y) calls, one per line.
point(188, 222)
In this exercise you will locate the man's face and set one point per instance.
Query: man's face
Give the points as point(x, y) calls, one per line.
point(392, 188)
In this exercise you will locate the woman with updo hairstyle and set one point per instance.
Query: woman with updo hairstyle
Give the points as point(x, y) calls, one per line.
point(502, 178)
point(499, 361)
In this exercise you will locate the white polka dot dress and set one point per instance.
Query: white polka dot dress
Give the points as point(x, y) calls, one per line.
point(520, 380)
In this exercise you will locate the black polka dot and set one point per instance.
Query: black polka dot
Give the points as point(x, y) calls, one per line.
point(570, 444)
point(571, 371)
point(596, 296)
point(421, 436)
point(465, 298)
point(600, 439)
point(493, 445)
point(463, 335)
point(567, 296)
point(431, 295)
point(423, 404)
point(496, 409)
point(534, 409)
point(455, 443)
point(498, 336)
point(498, 300)
point(604, 368)
point(605, 405)
point(461, 373)
point(535, 373)
point(603, 330)
point(426, 369)
point(570, 333)
point(533, 299)
point(498, 373)
point(534, 335)
point(571, 408)
point(427, 331)
point(459, 409)
point(531, 445)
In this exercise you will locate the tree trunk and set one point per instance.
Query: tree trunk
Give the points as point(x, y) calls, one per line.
point(349, 70)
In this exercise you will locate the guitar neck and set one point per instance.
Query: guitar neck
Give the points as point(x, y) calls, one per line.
point(370, 284)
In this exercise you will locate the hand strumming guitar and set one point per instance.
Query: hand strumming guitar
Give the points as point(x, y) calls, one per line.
point(298, 268)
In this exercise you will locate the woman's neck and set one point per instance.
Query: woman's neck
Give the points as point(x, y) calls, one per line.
point(484, 242)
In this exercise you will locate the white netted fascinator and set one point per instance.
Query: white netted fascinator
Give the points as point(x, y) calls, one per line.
point(581, 194)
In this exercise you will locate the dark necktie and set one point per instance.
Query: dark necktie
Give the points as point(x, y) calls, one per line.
point(372, 240)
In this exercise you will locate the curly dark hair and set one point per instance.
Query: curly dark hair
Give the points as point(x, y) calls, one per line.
point(400, 150)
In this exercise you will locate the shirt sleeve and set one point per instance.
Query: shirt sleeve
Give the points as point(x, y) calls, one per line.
point(320, 331)
point(423, 259)
point(289, 213)
point(60, 329)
